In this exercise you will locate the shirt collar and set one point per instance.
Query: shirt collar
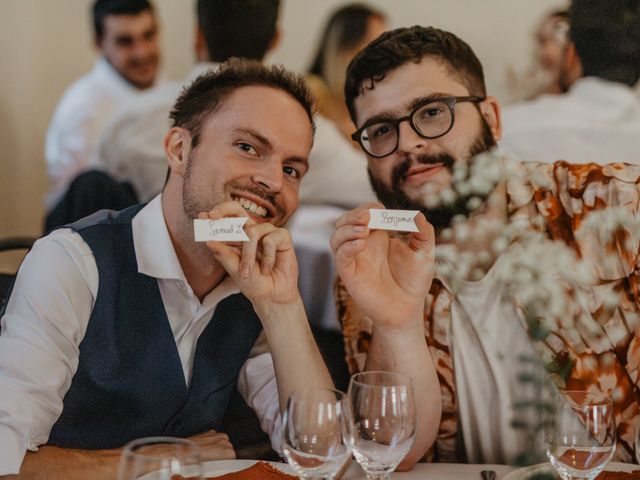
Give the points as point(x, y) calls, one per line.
point(105, 71)
point(155, 254)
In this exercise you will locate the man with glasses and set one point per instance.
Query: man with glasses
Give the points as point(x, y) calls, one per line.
point(418, 98)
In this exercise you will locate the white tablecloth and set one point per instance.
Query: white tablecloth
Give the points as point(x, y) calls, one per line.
point(435, 471)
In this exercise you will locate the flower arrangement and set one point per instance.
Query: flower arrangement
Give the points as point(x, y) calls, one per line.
point(551, 281)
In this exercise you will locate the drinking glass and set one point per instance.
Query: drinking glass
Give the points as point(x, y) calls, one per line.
point(314, 432)
point(383, 421)
point(160, 458)
point(581, 436)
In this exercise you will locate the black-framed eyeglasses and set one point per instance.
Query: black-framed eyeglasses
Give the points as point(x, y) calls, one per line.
point(430, 120)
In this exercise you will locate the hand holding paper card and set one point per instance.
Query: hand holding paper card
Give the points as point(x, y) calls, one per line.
point(228, 229)
point(398, 220)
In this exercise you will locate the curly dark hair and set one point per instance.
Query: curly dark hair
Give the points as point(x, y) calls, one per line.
point(207, 92)
point(398, 47)
point(606, 36)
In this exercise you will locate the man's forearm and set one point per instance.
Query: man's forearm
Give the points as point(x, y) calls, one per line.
point(406, 352)
point(53, 463)
point(296, 358)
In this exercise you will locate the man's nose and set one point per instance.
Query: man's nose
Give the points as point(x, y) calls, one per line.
point(408, 139)
point(269, 176)
point(142, 48)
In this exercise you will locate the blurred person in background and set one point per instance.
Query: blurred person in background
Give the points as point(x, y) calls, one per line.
point(130, 147)
point(337, 175)
point(551, 37)
point(126, 37)
point(598, 118)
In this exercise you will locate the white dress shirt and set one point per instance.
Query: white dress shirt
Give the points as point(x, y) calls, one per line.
point(130, 147)
point(46, 320)
point(595, 121)
point(77, 123)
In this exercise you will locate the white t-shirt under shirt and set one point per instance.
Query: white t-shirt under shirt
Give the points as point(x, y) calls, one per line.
point(488, 339)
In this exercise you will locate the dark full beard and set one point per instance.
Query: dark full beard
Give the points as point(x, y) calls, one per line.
point(441, 216)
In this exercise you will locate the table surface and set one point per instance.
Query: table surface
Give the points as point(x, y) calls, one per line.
point(436, 471)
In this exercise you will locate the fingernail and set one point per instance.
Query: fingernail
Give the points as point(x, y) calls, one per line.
point(245, 272)
point(358, 228)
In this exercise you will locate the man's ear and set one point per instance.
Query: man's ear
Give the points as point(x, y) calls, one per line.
point(177, 147)
point(570, 67)
point(490, 110)
point(97, 42)
point(275, 41)
point(201, 49)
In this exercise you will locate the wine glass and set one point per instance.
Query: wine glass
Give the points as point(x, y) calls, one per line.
point(383, 423)
point(313, 434)
point(160, 458)
point(581, 436)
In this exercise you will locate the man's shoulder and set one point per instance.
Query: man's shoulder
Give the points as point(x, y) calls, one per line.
point(84, 97)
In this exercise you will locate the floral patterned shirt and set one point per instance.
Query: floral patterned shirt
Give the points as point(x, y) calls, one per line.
point(604, 358)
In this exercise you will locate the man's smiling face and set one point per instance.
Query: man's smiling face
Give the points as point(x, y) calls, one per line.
point(421, 167)
point(248, 153)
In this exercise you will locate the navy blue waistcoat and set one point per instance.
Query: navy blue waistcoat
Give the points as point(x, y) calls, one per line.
point(130, 382)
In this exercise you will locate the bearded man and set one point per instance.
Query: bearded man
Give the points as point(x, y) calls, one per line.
point(418, 98)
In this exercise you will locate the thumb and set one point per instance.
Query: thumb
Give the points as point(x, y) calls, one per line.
point(423, 241)
point(227, 256)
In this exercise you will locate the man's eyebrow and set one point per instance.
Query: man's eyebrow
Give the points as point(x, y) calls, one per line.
point(296, 159)
point(269, 146)
point(264, 141)
point(416, 102)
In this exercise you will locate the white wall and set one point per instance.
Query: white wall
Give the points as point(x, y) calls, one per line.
point(46, 44)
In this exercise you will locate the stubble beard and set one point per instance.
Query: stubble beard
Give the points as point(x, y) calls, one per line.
point(440, 216)
point(195, 202)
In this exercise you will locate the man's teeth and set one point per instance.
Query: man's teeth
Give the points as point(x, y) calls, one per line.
point(252, 207)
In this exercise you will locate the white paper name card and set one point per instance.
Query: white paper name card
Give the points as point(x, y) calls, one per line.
point(221, 230)
point(398, 220)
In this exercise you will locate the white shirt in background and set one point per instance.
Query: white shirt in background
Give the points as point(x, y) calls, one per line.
point(595, 121)
point(130, 147)
point(337, 171)
point(77, 124)
point(47, 317)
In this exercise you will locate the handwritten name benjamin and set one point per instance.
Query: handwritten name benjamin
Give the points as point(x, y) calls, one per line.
point(394, 219)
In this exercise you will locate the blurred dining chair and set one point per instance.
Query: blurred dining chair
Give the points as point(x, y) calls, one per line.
point(11, 245)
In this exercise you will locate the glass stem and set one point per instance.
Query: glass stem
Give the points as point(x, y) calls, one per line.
point(378, 476)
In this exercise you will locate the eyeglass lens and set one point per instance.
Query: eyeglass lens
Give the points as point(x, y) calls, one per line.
point(431, 120)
